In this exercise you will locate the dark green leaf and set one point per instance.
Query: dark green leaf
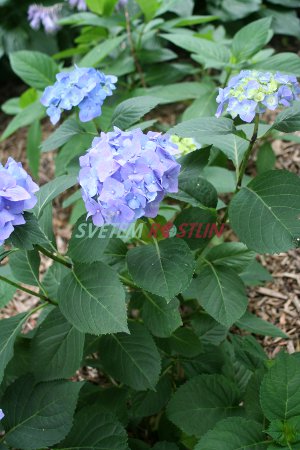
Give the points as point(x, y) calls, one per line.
point(93, 300)
point(38, 415)
point(250, 39)
point(165, 268)
point(140, 367)
point(201, 402)
point(132, 110)
point(62, 135)
point(25, 266)
point(264, 214)
point(56, 349)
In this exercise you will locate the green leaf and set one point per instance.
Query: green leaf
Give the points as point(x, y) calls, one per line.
point(177, 92)
point(130, 111)
point(266, 158)
point(62, 135)
point(250, 39)
point(25, 266)
point(6, 293)
point(26, 117)
point(27, 235)
point(165, 446)
point(87, 245)
point(201, 402)
point(165, 268)
point(160, 317)
point(149, 8)
point(148, 403)
point(256, 325)
point(231, 254)
point(53, 278)
point(208, 329)
point(204, 128)
point(288, 120)
point(33, 147)
point(9, 330)
point(194, 226)
point(51, 190)
point(283, 62)
point(234, 434)
point(184, 342)
point(93, 300)
point(285, 432)
point(221, 293)
point(204, 105)
point(101, 7)
point(196, 191)
point(38, 414)
point(139, 357)
point(56, 349)
point(265, 213)
point(94, 429)
point(232, 145)
point(34, 68)
point(98, 53)
point(208, 53)
point(280, 389)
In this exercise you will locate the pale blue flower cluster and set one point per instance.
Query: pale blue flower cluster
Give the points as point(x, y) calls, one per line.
point(79, 4)
point(86, 88)
point(45, 16)
point(17, 194)
point(252, 92)
point(125, 175)
point(1, 414)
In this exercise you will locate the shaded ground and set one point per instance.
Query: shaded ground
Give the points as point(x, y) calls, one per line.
point(277, 302)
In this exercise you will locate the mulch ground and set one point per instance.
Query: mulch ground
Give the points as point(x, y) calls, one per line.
point(277, 301)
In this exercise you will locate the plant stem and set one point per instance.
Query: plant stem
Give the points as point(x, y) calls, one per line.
point(132, 49)
point(244, 163)
point(28, 291)
point(55, 256)
point(127, 282)
point(248, 153)
point(228, 74)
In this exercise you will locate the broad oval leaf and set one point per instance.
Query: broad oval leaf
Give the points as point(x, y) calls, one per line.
point(136, 361)
point(95, 429)
point(9, 330)
point(212, 397)
point(92, 298)
point(35, 68)
point(280, 389)
point(164, 268)
point(251, 38)
point(132, 110)
point(38, 415)
point(56, 349)
point(234, 434)
point(265, 213)
point(221, 293)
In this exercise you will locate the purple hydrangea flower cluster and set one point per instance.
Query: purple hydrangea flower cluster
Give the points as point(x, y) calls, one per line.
point(17, 194)
point(125, 175)
point(46, 16)
point(252, 92)
point(79, 4)
point(1, 414)
point(86, 88)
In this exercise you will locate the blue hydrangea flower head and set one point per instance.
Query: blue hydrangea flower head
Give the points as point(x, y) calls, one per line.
point(44, 16)
point(125, 175)
point(17, 194)
point(86, 88)
point(1, 414)
point(79, 4)
point(252, 92)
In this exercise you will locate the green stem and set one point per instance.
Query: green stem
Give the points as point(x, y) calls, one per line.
point(244, 163)
point(248, 153)
point(55, 256)
point(127, 282)
point(28, 291)
point(228, 74)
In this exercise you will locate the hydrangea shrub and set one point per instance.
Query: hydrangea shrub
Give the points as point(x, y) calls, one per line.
point(144, 339)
